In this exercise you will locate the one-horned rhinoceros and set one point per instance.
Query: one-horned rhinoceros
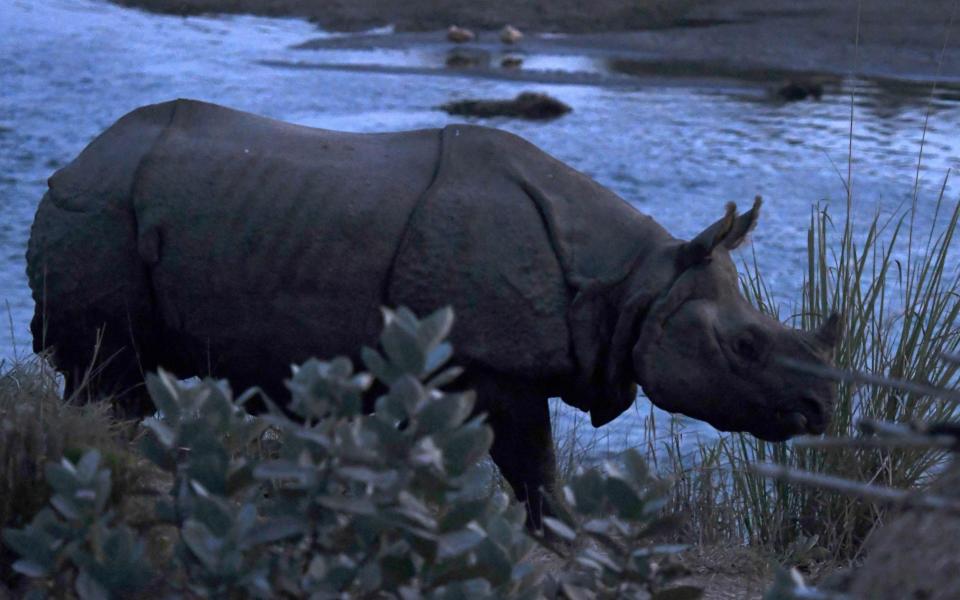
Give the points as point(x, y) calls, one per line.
point(211, 241)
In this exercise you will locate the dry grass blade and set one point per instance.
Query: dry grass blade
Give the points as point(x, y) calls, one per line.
point(942, 442)
point(871, 492)
point(849, 376)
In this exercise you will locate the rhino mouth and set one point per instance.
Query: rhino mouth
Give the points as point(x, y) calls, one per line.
point(785, 426)
point(796, 421)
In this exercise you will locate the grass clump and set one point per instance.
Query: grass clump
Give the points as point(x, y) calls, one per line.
point(898, 291)
point(900, 316)
point(36, 428)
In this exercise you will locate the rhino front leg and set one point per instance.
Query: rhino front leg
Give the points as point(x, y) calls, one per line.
point(523, 444)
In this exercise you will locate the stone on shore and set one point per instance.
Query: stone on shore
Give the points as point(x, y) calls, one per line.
point(459, 35)
point(510, 34)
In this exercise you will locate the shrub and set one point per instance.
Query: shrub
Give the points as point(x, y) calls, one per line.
point(319, 499)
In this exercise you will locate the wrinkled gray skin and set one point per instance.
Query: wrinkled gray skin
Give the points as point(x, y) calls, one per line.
point(210, 241)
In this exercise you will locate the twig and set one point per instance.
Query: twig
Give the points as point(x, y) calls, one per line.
point(871, 492)
point(853, 102)
point(943, 442)
point(13, 333)
point(952, 358)
point(868, 378)
point(923, 137)
point(886, 428)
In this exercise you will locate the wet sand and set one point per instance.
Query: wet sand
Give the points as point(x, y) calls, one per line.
point(750, 39)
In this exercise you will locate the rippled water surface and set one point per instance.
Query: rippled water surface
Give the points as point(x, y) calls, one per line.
point(677, 150)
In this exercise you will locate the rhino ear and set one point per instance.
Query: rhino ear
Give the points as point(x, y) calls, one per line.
point(730, 231)
point(701, 247)
point(743, 225)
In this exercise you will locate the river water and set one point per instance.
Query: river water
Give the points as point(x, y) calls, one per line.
point(676, 149)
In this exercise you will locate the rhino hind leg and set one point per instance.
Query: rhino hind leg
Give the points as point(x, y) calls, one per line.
point(102, 362)
point(522, 449)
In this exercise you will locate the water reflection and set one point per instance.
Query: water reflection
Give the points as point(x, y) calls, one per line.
point(462, 58)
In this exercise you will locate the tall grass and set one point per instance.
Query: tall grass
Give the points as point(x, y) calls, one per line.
point(898, 289)
point(38, 427)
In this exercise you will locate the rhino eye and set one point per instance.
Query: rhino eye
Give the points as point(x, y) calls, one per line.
point(748, 347)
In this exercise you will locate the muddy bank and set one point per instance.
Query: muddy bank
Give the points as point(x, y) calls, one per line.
point(425, 15)
point(751, 40)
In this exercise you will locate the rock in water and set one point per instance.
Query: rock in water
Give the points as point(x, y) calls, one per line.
point(527, 105)
point(799, 89)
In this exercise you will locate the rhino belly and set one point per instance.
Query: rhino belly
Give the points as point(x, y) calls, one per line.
point(268, 243)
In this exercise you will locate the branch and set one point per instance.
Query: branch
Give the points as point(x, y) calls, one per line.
point(873, 493)
point(869, 378)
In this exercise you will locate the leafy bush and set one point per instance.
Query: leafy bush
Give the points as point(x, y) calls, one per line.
point(318, 499)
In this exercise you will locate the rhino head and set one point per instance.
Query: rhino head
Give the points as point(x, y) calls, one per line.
point(701, 349)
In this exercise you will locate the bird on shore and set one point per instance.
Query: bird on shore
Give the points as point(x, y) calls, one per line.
point(510, 34)
point(460, 35)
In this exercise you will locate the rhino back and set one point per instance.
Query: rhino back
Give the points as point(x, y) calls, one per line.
point(268, 242)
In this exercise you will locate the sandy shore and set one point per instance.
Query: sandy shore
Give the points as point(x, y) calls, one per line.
point(761, 39)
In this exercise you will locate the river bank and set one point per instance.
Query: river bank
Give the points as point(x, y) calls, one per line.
point(884, 38)
point(424, 15)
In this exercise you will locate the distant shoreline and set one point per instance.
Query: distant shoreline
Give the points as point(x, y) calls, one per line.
point(897, 40)
point(570, 16)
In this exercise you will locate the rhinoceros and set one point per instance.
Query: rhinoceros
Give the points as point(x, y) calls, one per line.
point(211, 241)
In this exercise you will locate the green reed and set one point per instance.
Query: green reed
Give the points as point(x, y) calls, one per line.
point(901, 313)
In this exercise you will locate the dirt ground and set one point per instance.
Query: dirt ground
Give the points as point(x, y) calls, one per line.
point(724, 573)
